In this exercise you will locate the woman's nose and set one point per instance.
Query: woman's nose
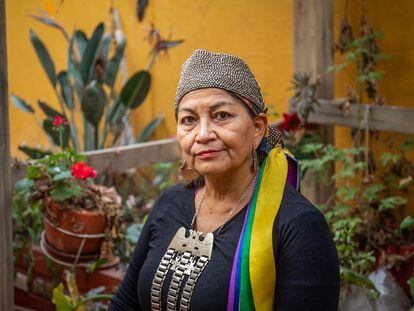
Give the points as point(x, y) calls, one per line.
point(205, 131)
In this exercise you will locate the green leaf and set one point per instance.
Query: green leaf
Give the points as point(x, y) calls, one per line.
point(372, 193)
point(53, 170)
point(33, 172)
point(64, 190)
point(382, 56)
point(95, 291)
point(87, 65)
point(101, 58)
point(351, 56)
point(407, 223)
point(48, 111)
point(144, 219)
point(96, 264)
point(103, 49)
point(336, 68)
point(24, 185)
point(362, 78)
point(48, 128)
point(44, 57)
point(112, 67)
point(352, 277)
point(389, 158)
point(347, 193)
point(88, 135)
point(61, 301)
point(376, 75)
point(81, 41)
point(149, 129)
point(34, 152)
point(93, 102)
point(73, 67)
point(133, 232)
point(406, 145)
point(116, 112)
point(62, 176)
point(392, 202)
point(66, 89)
point(411, 284)
point(21, 104)
point(136, 89)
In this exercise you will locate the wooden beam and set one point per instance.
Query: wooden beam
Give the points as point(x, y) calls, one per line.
point(119, 159)
point(380, 117)
point(6, 235)
point(126, 157)
point(313, 53)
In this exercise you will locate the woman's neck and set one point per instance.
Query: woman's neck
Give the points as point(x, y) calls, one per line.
point(228, 186)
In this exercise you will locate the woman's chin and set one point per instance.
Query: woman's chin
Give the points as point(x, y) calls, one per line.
point(212, 170)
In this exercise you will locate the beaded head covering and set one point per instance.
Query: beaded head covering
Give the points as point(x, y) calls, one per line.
point(205, 69)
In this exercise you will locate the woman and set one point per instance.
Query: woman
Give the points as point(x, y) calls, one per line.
point(240, 236)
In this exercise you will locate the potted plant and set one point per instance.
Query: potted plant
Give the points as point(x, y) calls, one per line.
point(78, 215)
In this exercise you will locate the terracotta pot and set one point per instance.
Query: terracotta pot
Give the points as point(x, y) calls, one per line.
point(74, 222)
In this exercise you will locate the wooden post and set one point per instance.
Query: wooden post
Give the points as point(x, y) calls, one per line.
point(6, 250)
point(313, 53)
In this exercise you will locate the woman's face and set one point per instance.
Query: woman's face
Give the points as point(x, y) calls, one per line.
point(216, 132)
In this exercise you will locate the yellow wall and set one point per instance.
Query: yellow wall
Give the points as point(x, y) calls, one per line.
point(259, 32)
point(397, 24)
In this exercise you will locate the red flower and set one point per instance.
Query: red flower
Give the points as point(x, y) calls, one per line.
point(80, 170)
point(58, 121)
point(291, 122)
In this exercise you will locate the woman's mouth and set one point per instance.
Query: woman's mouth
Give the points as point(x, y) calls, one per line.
point(207, 154)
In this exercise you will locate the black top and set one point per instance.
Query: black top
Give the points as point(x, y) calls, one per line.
point(307, 269)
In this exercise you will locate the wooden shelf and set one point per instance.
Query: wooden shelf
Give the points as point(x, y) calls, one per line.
point(380, 117)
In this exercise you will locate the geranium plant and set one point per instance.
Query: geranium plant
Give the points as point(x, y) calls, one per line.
point(65, 179)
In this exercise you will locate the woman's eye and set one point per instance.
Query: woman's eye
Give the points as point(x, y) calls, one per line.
point(222, 115)
point(187, 120)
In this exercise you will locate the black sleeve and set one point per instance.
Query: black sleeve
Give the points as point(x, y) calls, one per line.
point(126, 297)
point(307, 267)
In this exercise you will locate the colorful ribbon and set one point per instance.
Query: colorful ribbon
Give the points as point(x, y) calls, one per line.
point(253, 276)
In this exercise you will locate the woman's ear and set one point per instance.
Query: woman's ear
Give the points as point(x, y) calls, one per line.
point(260, 125)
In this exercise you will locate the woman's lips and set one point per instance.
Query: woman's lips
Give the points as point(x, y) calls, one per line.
point(208, 154)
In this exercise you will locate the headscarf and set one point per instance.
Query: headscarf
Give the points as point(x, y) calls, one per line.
point(253, 276)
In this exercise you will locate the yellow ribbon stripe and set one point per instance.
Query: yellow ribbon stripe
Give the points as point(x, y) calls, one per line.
point(262, 262)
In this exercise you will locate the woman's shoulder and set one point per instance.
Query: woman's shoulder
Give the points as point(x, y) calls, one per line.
point(297, 212)
point(177, 192)
point(175, 198)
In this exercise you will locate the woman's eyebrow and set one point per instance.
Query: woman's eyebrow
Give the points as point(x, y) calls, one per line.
point(220, 104)
point(186, 109)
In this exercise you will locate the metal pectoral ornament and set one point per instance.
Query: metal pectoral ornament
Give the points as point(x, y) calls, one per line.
point(185, 256)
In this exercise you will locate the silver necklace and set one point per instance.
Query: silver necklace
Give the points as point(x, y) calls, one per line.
point(186, 255)
point(246, 190)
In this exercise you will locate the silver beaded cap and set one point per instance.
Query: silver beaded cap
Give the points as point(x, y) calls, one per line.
point(205, 69)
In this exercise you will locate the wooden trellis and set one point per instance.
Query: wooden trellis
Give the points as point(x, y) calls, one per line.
point(120, 159)
point(375, 117)
point(313, 52)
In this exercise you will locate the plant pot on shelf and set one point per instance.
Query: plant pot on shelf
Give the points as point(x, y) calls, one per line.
point(71, 231)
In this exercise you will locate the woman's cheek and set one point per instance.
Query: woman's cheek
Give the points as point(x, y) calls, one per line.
point(185, 141)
